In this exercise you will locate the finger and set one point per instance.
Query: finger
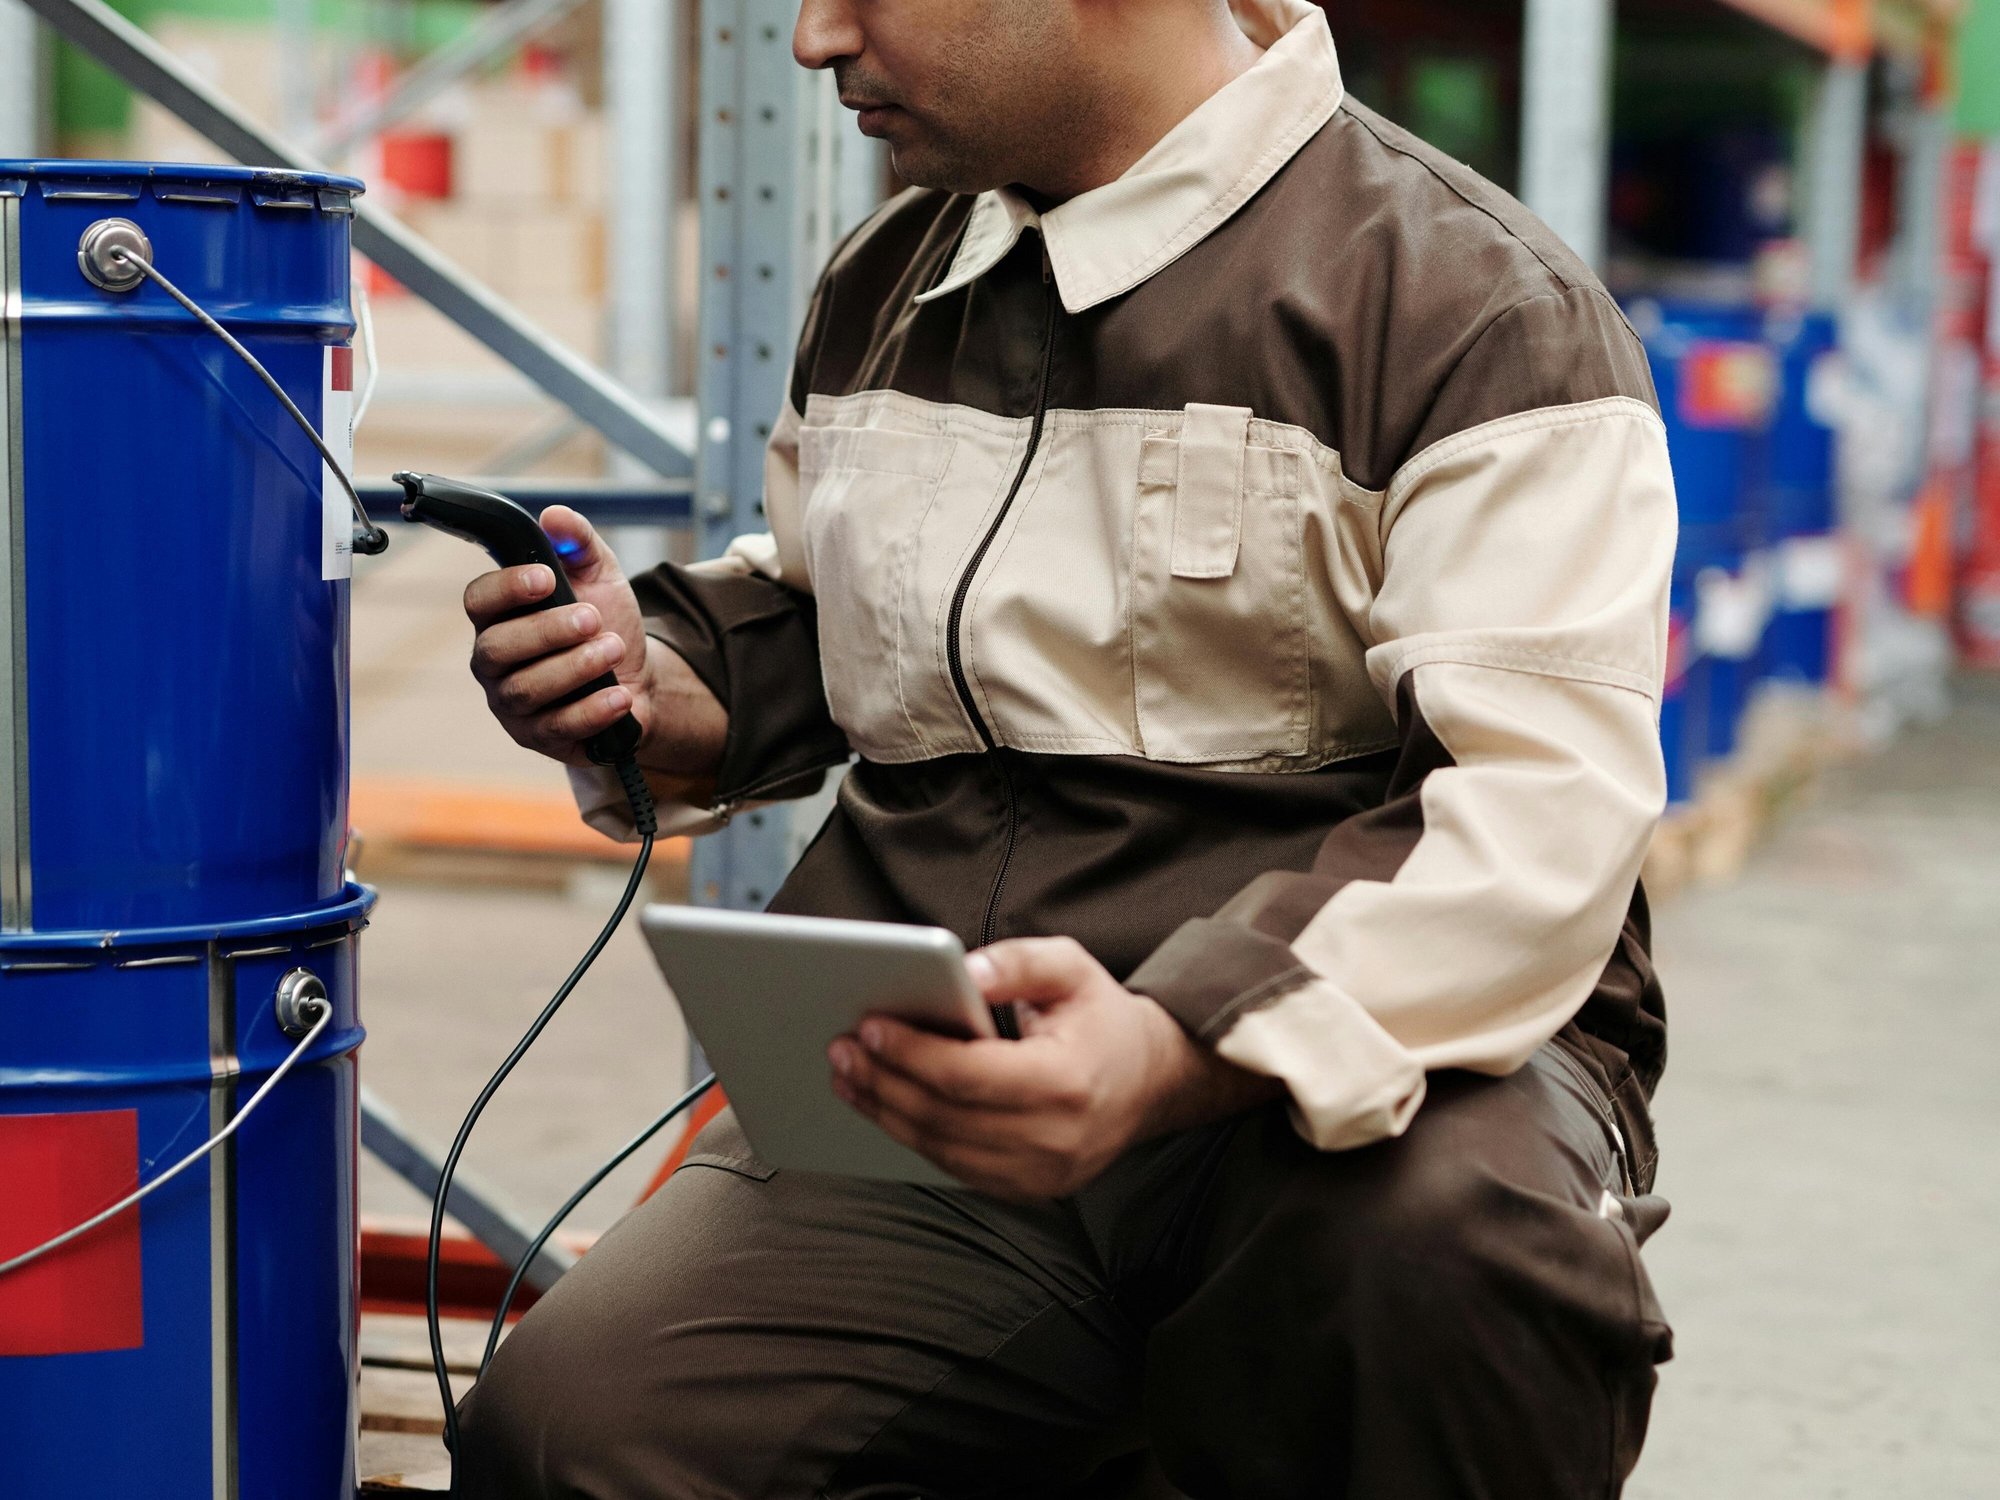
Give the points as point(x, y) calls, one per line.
point(500, 648)
point(492, 597)
point(988, 1074)
point(996, 1169)
point(580, 720)
point(586, 556)
point(1032, 969)
point(858, 1077)
point(530, 689)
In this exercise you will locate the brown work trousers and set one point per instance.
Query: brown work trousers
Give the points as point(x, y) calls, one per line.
point(1459, 1312)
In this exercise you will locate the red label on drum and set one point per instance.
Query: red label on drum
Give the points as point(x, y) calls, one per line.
point(58, 1171)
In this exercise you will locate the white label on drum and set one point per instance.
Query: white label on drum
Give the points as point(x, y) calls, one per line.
point(336, 511)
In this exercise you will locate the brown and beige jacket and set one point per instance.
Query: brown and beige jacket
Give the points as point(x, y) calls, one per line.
point(1255, 568)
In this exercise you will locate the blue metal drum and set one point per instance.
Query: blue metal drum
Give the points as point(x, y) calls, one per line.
point(1716, 384)
point(1806, 553)
point(173, 817)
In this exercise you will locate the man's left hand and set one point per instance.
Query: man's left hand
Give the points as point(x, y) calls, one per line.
point(1097, 1070)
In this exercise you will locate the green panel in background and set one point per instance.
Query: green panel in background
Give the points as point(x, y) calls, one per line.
point(86, 97)
point(88, 100)
point(1454, 104)
point(1979, 69)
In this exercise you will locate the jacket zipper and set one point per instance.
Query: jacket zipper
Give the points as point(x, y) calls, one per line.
point(954, 651)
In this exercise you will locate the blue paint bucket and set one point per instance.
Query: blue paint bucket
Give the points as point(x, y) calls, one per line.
point(1807, 562)
point(1716, 380)
point(173, 811)
point(1680, 720)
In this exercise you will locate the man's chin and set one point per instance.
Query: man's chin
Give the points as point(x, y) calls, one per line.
point(924, 166)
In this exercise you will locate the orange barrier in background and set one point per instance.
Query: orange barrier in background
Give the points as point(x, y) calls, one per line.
point(422, 814)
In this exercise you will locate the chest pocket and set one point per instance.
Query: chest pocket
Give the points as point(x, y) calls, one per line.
point(864, 492)
point(1220, 635)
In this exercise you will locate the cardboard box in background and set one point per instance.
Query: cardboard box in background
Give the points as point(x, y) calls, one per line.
point(525, 163)
point(454, 438)
point(518, 252)
point(238, 59)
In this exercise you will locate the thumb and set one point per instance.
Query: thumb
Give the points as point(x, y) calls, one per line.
point(1040, 971)
point(586, 556)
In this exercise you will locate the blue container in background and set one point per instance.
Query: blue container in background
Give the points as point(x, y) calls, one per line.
point(1800, 501)
point(1681, 727)
point(174, 779)
point(1716, 382)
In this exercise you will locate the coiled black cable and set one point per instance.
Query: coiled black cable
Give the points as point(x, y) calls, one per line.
point(646, 821)
point(590, 1186)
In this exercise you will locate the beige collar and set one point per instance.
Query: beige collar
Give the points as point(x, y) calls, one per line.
point(1110, 239)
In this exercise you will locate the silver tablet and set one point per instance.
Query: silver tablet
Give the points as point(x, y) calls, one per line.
point(765, 995)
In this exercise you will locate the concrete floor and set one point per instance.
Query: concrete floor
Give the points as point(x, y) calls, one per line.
point(1831, 1131)
point(1830, 1125)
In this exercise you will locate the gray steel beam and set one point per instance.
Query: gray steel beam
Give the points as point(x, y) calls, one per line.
point(298, 74)
point(498, 31)
point(20, 82)
point(1837, 138)
point(474, 1206)
point(142, 63)
point(643, 101)
point(642, 88)
point(1565, 119)
point(1920, 200)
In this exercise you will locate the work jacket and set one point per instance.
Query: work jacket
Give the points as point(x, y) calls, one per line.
point(1255, 568)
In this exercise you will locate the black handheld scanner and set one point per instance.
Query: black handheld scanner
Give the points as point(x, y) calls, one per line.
point(513, 539)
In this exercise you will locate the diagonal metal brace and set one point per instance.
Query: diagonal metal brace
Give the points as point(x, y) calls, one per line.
point(499, 30)
point(472, 1205)
point(594, 396)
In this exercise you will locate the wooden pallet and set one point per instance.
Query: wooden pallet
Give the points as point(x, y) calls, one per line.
point(1788, 743)
point(525, 837)
point(402, 1421)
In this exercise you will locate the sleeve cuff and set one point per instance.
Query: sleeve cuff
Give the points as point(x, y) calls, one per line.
point(602, 802)
point(1351, 1082)
point(1247, 995)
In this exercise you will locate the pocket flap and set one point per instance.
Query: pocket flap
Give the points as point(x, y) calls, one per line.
point(875, 450)
point(1208, 497)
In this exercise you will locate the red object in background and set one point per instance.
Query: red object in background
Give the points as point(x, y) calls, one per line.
point(377, 282)
point(1972, 244)
point(470, 1277)
point(1727, 384)
point(418, 162)
point(1979, 579)
point(541, 63)
point(58, 1170)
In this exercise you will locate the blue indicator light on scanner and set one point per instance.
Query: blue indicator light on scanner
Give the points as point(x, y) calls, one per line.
point(565, 548)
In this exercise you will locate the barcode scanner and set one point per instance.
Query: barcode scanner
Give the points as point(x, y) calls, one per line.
point(513, 539)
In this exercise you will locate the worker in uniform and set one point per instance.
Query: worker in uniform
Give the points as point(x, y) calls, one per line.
point(1228, 542)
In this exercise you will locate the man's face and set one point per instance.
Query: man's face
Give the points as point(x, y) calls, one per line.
point(969, 94)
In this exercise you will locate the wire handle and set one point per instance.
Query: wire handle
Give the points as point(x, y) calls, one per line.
point(369, 539)
point(15, 1263)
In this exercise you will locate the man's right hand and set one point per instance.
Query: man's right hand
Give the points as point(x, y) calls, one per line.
point(528, 663)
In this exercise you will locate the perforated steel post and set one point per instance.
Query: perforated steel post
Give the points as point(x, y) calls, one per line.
point(751, 304)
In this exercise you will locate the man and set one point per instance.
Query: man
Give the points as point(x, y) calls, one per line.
point(1233, 538)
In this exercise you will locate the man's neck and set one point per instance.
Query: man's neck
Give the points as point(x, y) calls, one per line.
point(1160, 74)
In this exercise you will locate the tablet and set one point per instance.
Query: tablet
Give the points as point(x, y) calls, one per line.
point(765, 995)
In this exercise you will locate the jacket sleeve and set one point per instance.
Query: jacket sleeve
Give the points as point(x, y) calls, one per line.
point(1519, 633)
point(746, 623)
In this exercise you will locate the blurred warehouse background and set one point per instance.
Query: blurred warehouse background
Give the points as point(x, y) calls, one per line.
point(1797, 202)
